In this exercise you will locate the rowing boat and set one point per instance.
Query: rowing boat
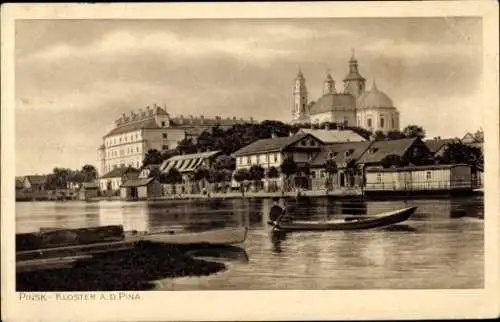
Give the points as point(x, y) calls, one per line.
point(351, 223)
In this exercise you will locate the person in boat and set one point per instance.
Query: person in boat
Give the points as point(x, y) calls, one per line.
point(279, 213)
point(276, 211)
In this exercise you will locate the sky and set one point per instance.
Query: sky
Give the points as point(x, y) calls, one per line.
point(73, 78)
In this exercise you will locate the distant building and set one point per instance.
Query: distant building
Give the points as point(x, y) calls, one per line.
point(432, 178)
point(271, 152)
point(438, 146)
point(153, 128)
point(334, 136)
point(88, 190)
point(112, 180)
point(35, 183)
point(474, 140)
point(403, 148)
point(355, 106)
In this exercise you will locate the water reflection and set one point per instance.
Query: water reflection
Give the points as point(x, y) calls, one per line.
point(441, 246)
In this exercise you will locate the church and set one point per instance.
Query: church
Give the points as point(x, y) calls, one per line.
point(370, 109)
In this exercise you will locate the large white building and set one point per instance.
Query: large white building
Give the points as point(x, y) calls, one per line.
point(355, 106)
point(134, 135)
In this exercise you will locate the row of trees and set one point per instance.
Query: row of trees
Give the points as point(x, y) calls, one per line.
point(60, 177)
point(240, 135)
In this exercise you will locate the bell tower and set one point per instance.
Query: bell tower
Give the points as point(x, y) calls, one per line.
point(299, 97)
point(329, 85)
point(354, 83)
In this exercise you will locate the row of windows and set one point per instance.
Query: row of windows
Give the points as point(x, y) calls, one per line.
point(133, 164)
point(122, 139)
point(369, 122)
point(428, 176)
point(128, 138)
point(261, 158)
point(122, 152)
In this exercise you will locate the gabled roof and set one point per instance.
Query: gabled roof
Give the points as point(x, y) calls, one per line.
point(341, 152)
point(380, 149)
point(436, 144)
point(187, 162)
point(148, 123)
point(119, 172)
point(271, 145)
point(137, 182)
point(37, 179)
point(334, 136)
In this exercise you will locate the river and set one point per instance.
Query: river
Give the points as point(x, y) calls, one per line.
point(440, 247)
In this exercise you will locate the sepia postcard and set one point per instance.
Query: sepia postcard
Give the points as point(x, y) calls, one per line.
point(250, 161)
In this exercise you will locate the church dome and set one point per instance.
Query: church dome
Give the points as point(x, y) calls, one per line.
point(333, 102)
point(374, 98)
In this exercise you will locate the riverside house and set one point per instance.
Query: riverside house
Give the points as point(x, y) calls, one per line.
point(438, 146)
point(417, 179)
point(341, 154)
point(35, 183)
point(270, 153)
point(408, 149)
point(110, 182)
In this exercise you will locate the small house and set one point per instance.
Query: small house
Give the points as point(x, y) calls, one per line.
point(141, 189)
point(35, 183)
point(112, 180)
point(431, 178)
point(88, 190)
point(438, 146)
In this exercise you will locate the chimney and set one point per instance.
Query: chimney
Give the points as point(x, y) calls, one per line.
point(191, 119)
point(251, 119)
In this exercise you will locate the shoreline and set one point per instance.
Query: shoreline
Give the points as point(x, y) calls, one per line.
point(339, 194)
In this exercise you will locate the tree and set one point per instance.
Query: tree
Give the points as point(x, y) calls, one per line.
point(240, 176)
point(461, 153)
point(225, 162)
point(89, 173)
point(288, 168)
point(201, 173)
point(366, 134)
point(395, 135)
point(379, 136)
point(331, 169)
point(153, 156)
point(256, 174)
point(272, 172)
point(412, 131)
point(173, 176)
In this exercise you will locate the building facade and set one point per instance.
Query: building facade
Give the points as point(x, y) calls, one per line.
point(135, 134)
point(355, 106)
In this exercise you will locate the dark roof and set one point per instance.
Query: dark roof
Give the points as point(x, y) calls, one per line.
point(119, 172)
point(137, 182)
point(148, 123)
point(37, 179)
point(380, 149)
point(421, 168)
point(436, 144)
point(338, 152)
point(271, 145)
point(333, 102)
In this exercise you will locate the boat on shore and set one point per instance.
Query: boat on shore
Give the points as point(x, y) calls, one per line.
point(56, 247)
point(347, 223)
